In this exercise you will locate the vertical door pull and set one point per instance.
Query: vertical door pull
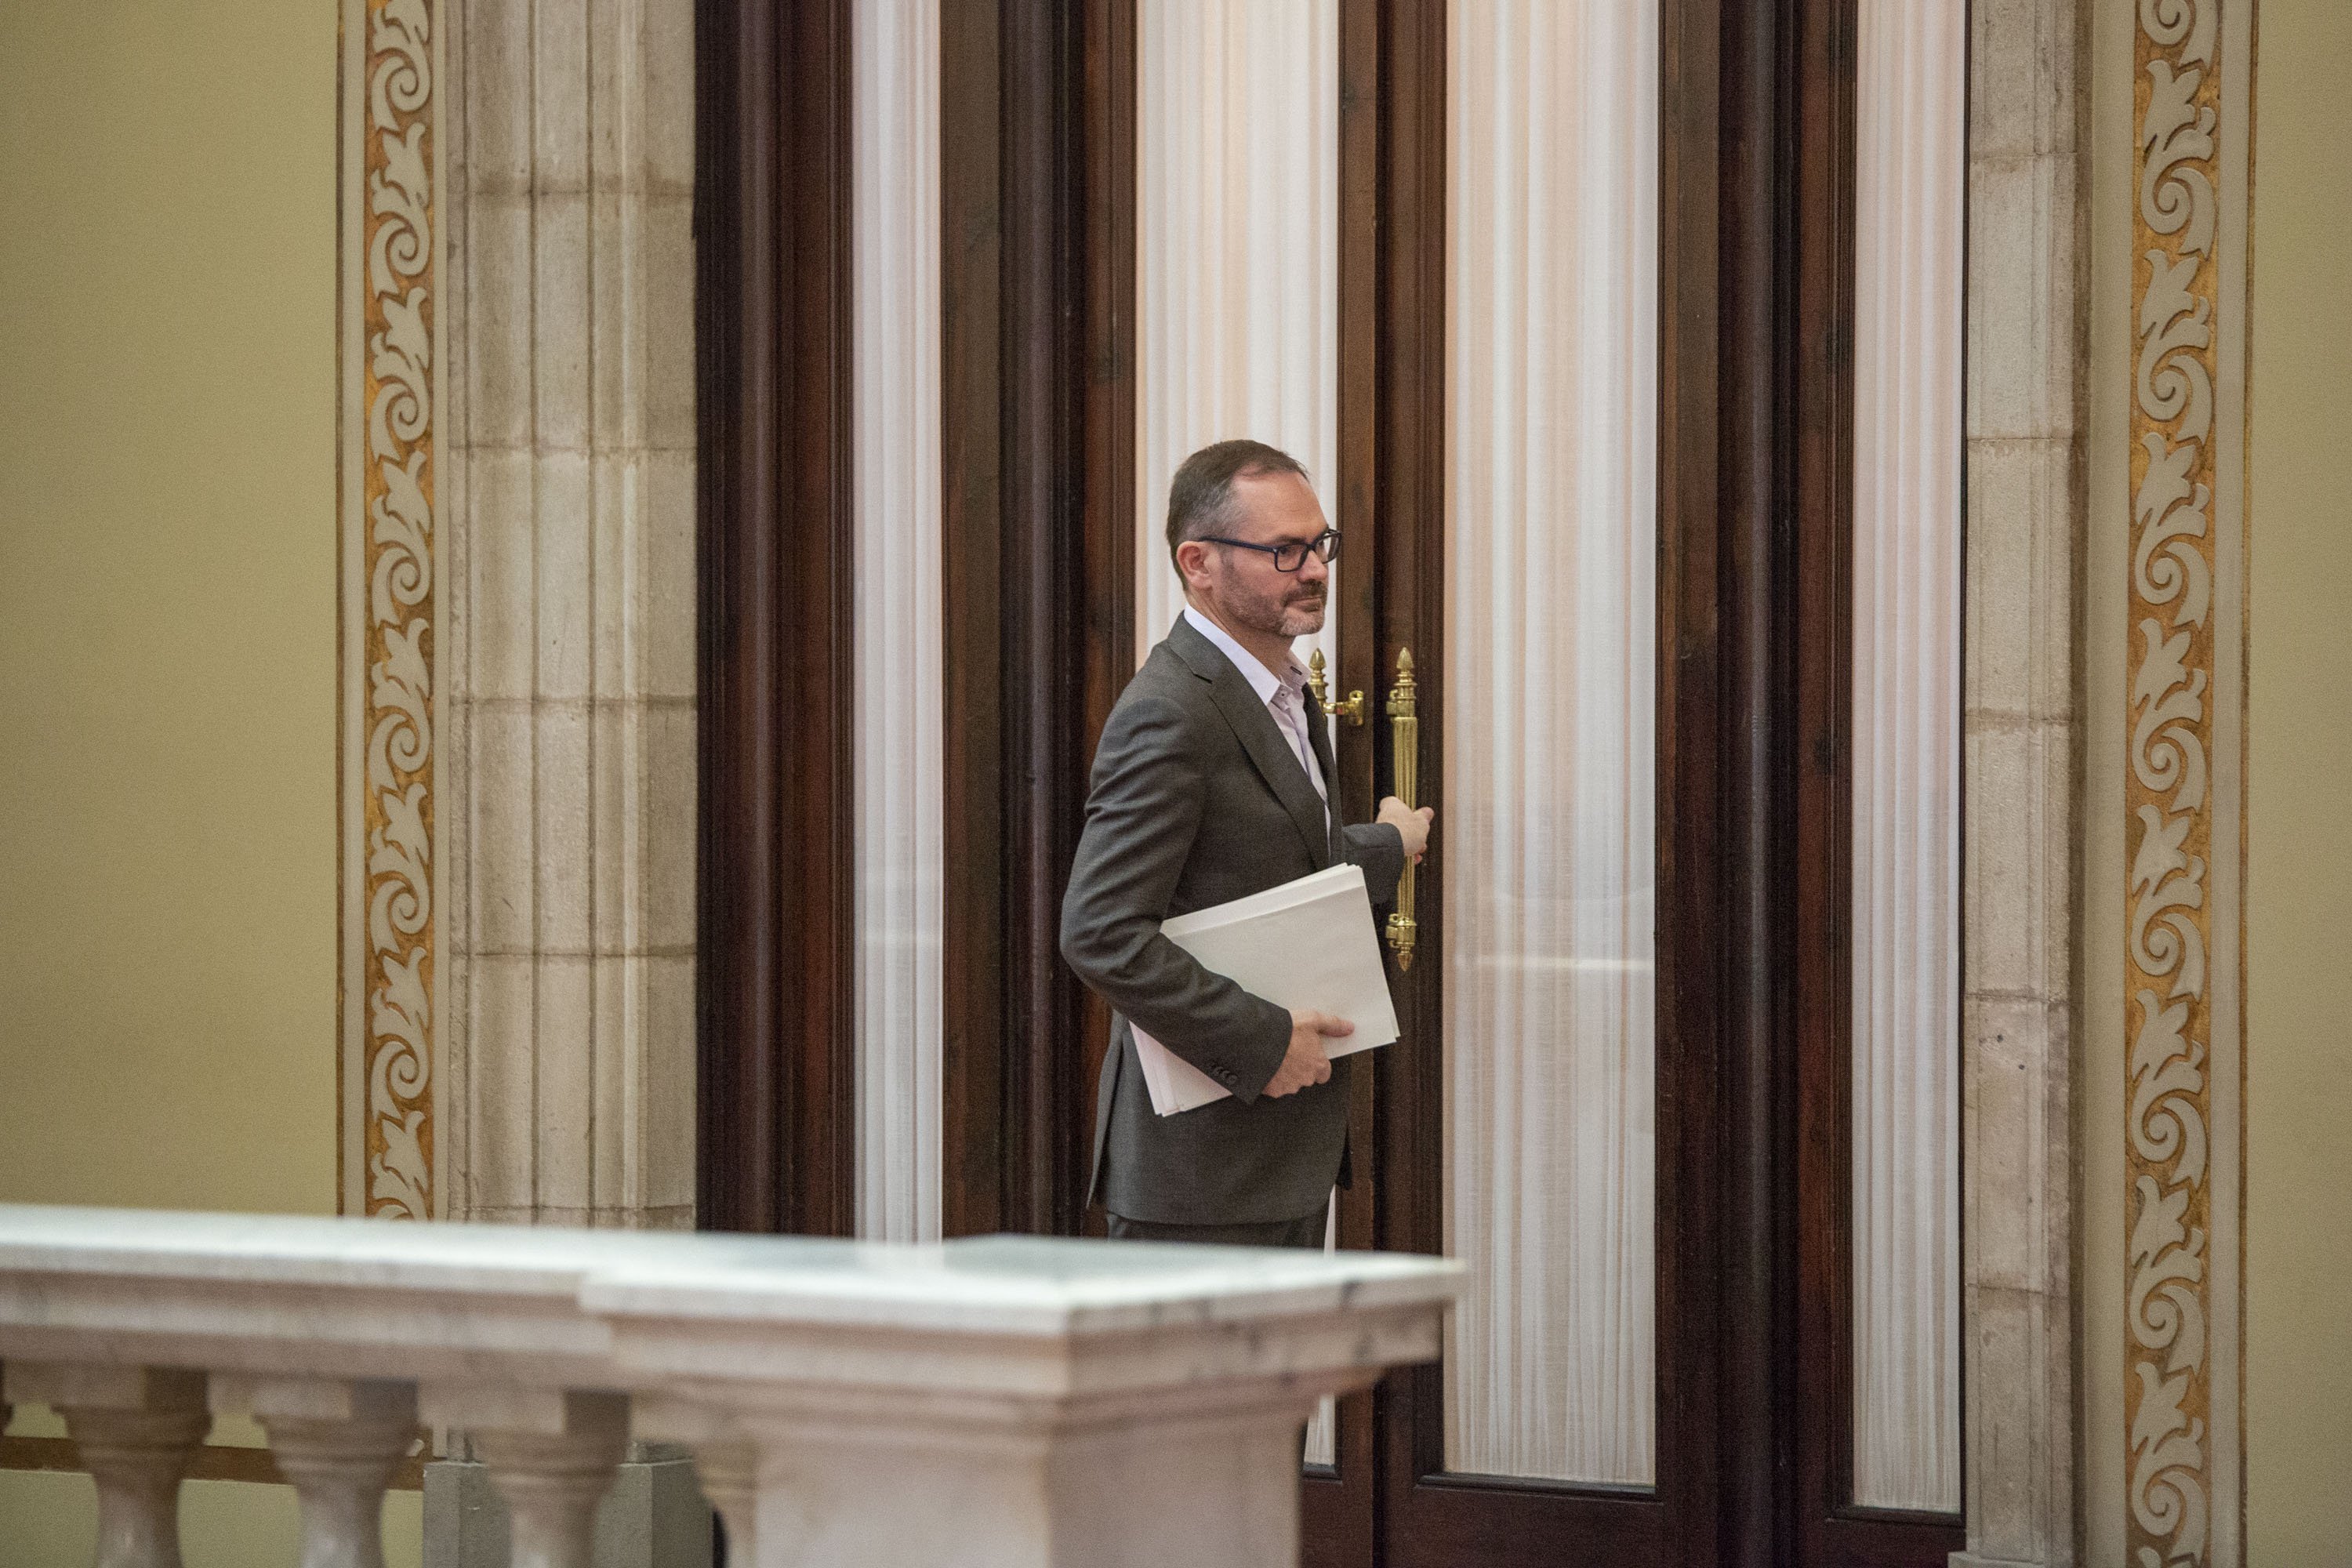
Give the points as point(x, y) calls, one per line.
point(1405, 736)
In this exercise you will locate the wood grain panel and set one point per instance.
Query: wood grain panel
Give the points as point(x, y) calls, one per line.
point(775, 908)
point(1037, 169)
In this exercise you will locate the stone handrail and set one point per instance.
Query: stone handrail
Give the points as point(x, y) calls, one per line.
point(998, 1401)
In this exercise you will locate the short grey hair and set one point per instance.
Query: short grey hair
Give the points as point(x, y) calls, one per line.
point(1200, 496)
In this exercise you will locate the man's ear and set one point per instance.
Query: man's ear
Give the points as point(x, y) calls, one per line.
point(1192, 561)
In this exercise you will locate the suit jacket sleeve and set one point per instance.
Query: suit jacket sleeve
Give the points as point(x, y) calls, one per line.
point(1143, 812)
point(1379, 851)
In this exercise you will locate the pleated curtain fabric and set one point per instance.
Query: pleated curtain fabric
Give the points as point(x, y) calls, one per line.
point(1910, 164)
point(1548, 850)
point(1237, 253)
point(1237, 270)
point(895, 332)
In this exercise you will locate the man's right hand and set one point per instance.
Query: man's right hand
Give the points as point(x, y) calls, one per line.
point(1305, 1063)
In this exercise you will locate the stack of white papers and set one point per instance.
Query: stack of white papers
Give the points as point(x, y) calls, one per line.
point(1308, 944)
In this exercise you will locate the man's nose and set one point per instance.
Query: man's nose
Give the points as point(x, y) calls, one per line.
point(1314, 569)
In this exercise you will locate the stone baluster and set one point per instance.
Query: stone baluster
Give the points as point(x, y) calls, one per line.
point(337, 1444)
point(553, 1456)
point(725, 1463)
point(135, 1428)
point(730, 1479)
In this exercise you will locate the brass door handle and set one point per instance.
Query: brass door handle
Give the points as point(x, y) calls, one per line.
point(1352, 710)
point(1405, 736)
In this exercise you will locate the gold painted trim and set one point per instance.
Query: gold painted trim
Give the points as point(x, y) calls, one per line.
point(2174, 1251)
point(390, 591)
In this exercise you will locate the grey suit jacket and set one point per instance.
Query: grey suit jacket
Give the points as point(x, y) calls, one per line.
point(1197, 799)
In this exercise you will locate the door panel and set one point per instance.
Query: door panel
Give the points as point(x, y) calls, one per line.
point(1551, 1114)
point(1877, 601)
point(1549, 878)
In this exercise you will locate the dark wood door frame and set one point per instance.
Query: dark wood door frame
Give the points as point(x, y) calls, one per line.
point(775, 887)
point(1037, 141)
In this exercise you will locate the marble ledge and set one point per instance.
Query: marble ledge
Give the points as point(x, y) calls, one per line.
point(552, 1307)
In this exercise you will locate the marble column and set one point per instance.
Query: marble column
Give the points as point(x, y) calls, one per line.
point(568, 794)
point(2020, 733)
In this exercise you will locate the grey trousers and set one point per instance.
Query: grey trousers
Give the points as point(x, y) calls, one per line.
point(1306, 1231)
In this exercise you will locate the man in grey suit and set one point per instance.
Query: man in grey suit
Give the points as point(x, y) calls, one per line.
point(1212, 782)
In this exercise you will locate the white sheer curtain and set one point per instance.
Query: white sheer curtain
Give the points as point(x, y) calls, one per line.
point(1548, 848)
point(1237, 263)
point(1910, 194)
point(1237, 252)
point(895, 332)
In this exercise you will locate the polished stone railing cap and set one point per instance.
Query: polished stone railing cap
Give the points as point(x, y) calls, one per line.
point(1017, 1285)
point(1001, 1284)
point(974, 1401)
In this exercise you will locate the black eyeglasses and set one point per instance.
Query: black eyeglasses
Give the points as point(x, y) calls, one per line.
point(1290, 555)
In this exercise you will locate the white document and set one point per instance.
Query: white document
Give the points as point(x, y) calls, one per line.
point(1308, 944)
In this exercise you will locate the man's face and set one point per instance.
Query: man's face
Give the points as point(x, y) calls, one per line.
point(1242, 587)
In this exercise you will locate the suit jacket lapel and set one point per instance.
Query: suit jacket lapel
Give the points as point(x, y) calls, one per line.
point(1261, 737)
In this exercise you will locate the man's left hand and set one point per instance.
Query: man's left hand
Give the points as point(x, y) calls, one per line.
point(1411, 825)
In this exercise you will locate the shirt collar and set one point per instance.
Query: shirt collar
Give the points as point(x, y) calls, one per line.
point(1261, 680)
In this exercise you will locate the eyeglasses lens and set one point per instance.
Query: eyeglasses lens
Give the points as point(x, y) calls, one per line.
point(1291, 557)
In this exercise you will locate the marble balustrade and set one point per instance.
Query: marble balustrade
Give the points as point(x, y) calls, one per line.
point(995, 1401)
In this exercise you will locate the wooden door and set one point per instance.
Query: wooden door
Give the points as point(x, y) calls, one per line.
point(1393, 1498)
point(1753, 293)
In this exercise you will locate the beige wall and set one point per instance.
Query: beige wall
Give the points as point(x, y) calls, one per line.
point(167, 653)
point(2299, 872)
point(167, 600)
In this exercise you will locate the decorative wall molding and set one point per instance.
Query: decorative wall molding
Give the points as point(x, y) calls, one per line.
point(392, 384)
point(2182, 707)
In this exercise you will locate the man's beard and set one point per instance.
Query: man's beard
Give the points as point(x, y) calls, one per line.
point(1297, 615)
point(1303, 617)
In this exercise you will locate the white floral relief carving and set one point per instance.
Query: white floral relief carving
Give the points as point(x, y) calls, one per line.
point(2168, 1396)
point(398, 635)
